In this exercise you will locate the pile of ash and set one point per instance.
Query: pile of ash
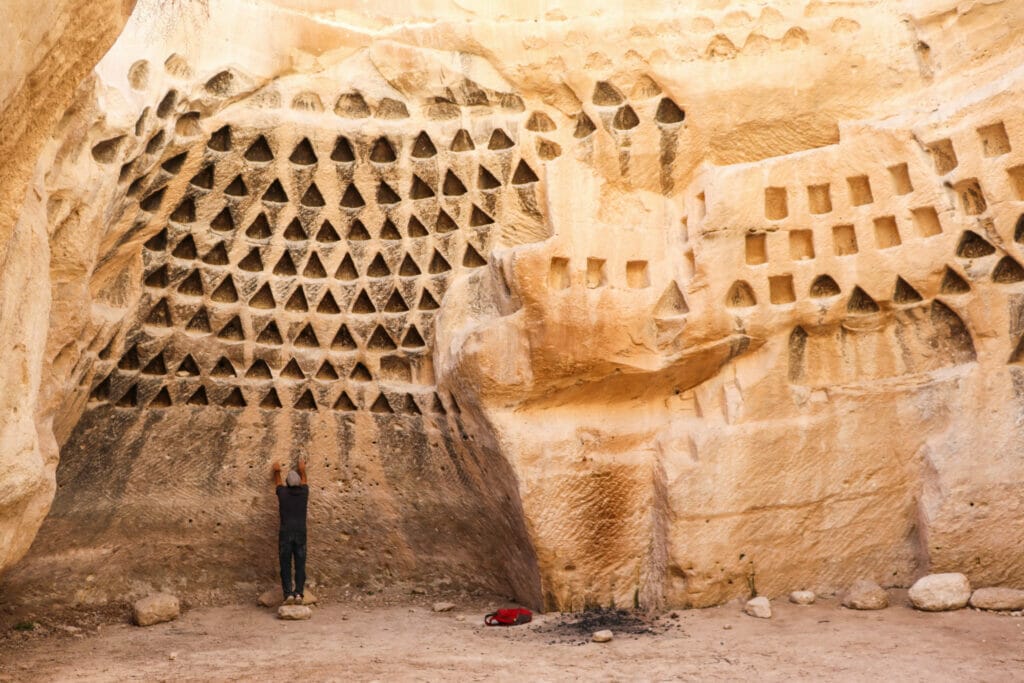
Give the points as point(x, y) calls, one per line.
point(580, 626)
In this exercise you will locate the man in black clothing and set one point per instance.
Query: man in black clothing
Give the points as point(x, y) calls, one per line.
point(291, 540)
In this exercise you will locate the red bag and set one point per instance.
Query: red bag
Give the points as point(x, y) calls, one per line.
point(511, 616)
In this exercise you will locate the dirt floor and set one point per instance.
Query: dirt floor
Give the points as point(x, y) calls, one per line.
point(410, 642)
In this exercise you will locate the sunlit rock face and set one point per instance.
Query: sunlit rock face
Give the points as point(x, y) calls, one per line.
point(658, 307)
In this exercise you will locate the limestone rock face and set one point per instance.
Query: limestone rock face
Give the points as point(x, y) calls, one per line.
point(50, 48)
point(155, 609)
point(940, 592)
point(597, 306)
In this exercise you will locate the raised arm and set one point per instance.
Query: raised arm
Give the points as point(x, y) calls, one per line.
point(302, 469)
point(277, 475)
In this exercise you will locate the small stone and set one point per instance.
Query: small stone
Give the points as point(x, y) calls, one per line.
point(294, 612)
point(998, 599)
point(308, 597)
point(419, 590)
point(270, 598)
point(461, 617)
point(759, 607)
point(172, 656)
point(940, 592)
point(155, 609)
point(866, 594)
point(443, 606)
point(802, 597)
point(602, 636)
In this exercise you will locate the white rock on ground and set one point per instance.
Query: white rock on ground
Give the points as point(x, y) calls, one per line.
point(294, 612)
point(443, 606)
point(802, 597)
point(940, 592)
point(602, 636)
point(866, 594)
point(155, 609)
point(998, 598)
point(759, 607)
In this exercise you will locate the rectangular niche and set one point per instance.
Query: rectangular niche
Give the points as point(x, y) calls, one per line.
point(926, 221)
point(994, 140)
point(972, 200)
point(819, 198)
point(776, 206)
point(887, 233)
point(801, 245)
point(1017, 180)
point(558, 275)
point(636, 274)
point(780, 289)
point(844, 240)
point(756, 249)
point(860, 190)
point(943, 156)
point(900, 175)
point(595, 273)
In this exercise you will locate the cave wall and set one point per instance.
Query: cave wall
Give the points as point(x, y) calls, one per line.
point(52, 47)
point(651, 308)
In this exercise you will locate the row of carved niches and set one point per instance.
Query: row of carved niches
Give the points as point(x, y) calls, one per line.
point(261, 389)
point(453, 167)
point(183, 277)
point(459, 122)
point(977, 258)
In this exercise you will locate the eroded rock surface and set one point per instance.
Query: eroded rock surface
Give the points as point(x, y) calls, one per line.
point(597, 309)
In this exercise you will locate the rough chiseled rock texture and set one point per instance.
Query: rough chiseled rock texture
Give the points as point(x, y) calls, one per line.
point(649, 307)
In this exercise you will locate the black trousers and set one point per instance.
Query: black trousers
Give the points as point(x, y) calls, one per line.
point(292, 545)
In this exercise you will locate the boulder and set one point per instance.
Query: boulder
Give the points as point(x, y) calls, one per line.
point(270, 598)
point(759, 607)
point(998, 598)
point(802, 597)
point(294, 612)
point(155, 609)
point(940, 592)
point(865, 594)
point(602, 636)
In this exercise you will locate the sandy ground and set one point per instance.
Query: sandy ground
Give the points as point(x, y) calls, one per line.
point(412, 643)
